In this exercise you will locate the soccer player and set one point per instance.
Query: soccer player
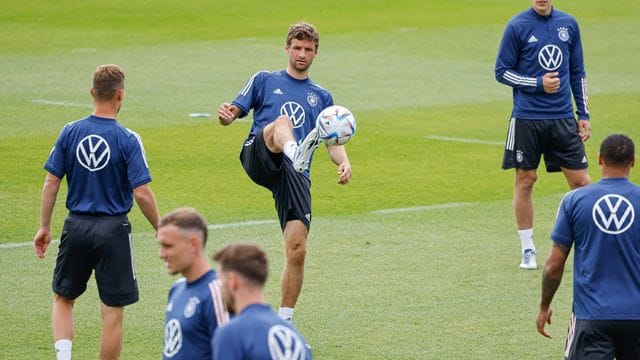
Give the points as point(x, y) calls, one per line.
point(195, 307)
point(106, 169)
point(601, 222)
point(256, 332)
point(278, 151)
point(540, 57)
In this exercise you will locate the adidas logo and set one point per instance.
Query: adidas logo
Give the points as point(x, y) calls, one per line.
point(278, 91)
point(533, 39)
point(584, 159)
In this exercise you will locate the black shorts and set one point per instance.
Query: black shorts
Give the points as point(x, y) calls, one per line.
point(603, 339)
point(558, 140)
point(101, 244)
point(291, 190)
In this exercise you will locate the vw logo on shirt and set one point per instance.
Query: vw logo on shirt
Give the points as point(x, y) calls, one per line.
point(93, 152)
point(550, 57)
point(613, 214)
point(285, 344)
point(295, 112)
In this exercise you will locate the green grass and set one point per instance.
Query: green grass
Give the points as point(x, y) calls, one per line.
point(430, 284)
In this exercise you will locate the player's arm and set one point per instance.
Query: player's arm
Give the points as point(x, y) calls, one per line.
point(579, 86)
point(551, 278)
point(338, 155)
point(147, 203)
point(227, 113)
point(507, 63)
point(47, 203)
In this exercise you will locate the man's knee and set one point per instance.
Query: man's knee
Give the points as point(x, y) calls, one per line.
point(296, 252)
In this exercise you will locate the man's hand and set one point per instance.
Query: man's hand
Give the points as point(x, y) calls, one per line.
point(41, 241)
point(227, 113)
point(551, 82)
point(584, 129)
point(344, 173)
point(544, 317)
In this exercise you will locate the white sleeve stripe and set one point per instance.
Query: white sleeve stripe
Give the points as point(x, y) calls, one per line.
point(585, 97)
point(144, 154)
point(519, 80)
point(222, 315)
point(245, 89)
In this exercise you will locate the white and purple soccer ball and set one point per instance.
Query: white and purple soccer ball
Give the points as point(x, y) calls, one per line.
point(336, 125)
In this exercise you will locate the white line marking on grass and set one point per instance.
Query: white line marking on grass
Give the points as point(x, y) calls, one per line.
point(420, 208)
point(472, 141)
point(60, 103)
point(241, 223)
point(211, 227)
point(22, 244)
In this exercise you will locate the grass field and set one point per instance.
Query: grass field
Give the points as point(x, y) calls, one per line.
point(415, 259)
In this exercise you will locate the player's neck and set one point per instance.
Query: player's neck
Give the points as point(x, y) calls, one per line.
point(197, 270)
point(296, 74)
point(249, 297)
point(105, 110)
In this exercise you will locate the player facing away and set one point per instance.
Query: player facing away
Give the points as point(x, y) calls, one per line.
point(106, 168)
point(256, 332)
point(602, 223)
point(277, 153)
point(195, 307)
point(540, 57)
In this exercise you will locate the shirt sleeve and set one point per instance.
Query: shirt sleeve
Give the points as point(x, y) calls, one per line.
point(137, 166)
point(250, 94)
point(562, 232)
point(578, 76)
point(507, 64)
point(55, 161)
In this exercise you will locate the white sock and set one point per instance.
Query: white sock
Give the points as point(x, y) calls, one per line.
point(63, 349)
point(285, 313)
point(289, 149)
point(526, 238)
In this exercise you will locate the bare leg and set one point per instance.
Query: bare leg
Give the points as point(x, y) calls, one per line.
point(295, 238)
point(576, 178)
point(522, 202)
point(278, 133)
point(62, 318)
point(111, 341)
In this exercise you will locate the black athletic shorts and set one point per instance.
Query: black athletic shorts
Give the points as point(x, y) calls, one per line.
point(603, 339)
point(291, 190)
point(101, 244)
point(558, 140)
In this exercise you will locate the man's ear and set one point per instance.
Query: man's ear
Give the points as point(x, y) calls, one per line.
point(120, 94)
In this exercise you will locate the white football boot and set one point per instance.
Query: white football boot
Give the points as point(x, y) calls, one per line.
point(302, 157)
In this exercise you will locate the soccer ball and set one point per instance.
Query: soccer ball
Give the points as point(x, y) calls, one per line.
point(336, 125)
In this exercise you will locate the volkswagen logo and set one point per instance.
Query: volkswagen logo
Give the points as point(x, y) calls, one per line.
point(613, 214)
point(285, 344)
point(550, 57)
point(295, 112)
point(93, 153)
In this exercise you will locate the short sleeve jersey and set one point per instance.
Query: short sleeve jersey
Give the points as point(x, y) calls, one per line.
point(533, 45)
point(103, 162)
point(271, 94)
point(602, 223)
point(194, 311)
point(257, 333)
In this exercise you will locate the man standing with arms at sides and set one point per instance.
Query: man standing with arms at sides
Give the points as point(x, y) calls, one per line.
point(278, 151)
point(601, 222)
point(256, 332)
point(195, 307)
point(106, 169)
point(540, 57)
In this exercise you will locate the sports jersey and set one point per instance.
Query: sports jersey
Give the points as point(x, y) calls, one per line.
point(103, 162)
point(257, 333)
point(533, 45)
point(602, 222)
point(194, 311)
point(271, 94)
